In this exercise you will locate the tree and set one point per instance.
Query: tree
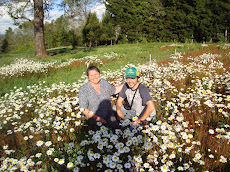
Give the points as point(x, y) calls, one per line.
point(178, 21)
point(188, 19)
point(4, 46)
point(203, 24)
point(24, 35)
point(18, 11)
point(21, 10)
point(134, 16)
point(120, 11)
point(9, 41)
point(107, 29)
point(91, 29)
point(153, 13)
point(61, 31)
point(19, 39)
point(138, 20)
point(39, 38)
point(74, 38)
point(49, 35)
point(57, 33)
point(1, 42)
point(221, 20)
point(77, 10)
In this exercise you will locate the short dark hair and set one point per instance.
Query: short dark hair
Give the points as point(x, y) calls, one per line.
point(92, 68)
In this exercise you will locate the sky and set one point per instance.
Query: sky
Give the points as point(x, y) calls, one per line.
point(6, 21)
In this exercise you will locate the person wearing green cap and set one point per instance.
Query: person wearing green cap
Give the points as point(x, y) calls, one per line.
point(138, 97)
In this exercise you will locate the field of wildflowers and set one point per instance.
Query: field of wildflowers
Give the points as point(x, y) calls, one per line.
point(42, 128)
point(25, 68)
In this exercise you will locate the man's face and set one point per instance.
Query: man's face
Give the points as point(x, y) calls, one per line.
point(94, 76)
point(131, 82)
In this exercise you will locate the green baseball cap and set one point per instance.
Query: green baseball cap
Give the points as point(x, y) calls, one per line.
point(131, 73)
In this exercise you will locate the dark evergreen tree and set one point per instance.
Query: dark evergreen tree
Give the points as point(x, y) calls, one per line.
point(74, 39)
point(107, 29)
point(221, 19)
point(203, 22)
point(139, 16)
point(4, 46)
point(134, 17)
point(61, 31)
point(178, 21)
point(120, 11)
point(49, 35)
point(57, 33)
point(91, 30)
point(9, 41)
point(153, 20)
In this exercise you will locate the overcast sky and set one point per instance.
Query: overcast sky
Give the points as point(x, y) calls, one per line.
point(6, 22)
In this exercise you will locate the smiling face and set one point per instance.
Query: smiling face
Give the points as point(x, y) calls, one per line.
point(132, 82)
point(94, 76)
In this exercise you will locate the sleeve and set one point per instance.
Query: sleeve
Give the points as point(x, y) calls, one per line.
point(144, 92)
point(122, 92)
point(83, 101)
point(110, 87)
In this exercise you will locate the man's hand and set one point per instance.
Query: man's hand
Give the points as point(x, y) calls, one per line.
point(150, 108)
point(120, 115)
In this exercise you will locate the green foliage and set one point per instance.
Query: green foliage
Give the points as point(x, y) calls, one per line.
point(220, 37)
point(57, 33)
point(25, 36)
point(165, 20)
point(23, 47)
point(4, 46)
point(9, 41)
point(91, 30)
point(74, 38)
point(107, 29)
point(134, 17)
point(20, 39)
point(1, 42)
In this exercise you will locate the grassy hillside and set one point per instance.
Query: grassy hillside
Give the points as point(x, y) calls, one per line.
point(127, 53)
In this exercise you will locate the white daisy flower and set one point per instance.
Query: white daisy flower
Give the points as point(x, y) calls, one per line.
point(39, 143)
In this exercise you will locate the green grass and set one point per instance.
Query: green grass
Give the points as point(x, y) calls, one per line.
point(131, 53)
point(6, 59)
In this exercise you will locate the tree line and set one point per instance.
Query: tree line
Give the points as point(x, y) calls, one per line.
point(58, 33)
point(171, 20)
point(129, 21)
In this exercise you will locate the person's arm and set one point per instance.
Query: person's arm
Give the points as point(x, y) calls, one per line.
point(150, 108)
point(90, 114)
point(118, 88)
point(83, 104)
point(119, 104)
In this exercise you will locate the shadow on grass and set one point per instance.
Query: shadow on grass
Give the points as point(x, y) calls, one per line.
point(53, 52)
point(63, 50)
